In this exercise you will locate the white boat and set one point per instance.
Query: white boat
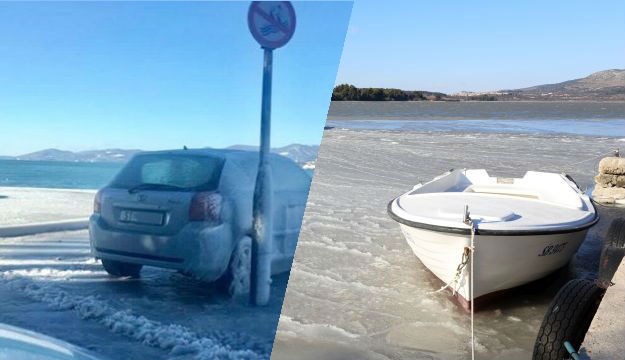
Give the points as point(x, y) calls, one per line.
point(525, 228)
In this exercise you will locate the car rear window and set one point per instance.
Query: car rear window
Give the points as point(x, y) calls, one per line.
point(170, 171)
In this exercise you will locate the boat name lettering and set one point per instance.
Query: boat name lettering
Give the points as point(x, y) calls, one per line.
point(553, 249)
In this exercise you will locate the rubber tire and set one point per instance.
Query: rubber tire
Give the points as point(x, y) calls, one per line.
point(616, 233)
point(567, 319)
point(236, 280)
point(121, 269)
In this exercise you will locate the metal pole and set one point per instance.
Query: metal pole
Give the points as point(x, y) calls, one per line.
point(262, 237)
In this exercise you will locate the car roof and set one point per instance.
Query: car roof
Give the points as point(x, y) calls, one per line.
point(227, 154)
point(25, 344)
point(246, 164)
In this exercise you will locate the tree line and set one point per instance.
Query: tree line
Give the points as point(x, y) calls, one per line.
point(347, 92)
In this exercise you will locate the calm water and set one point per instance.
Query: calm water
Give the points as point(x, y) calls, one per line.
point(56, 174)
point(60, 174)
point(576, 118)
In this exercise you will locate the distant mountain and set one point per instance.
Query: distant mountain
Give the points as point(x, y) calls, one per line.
point(107, 155)
point(602, 85)
point(301, 154)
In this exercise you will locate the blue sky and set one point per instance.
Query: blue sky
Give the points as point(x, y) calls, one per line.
point(480, 45)
point(81, 76)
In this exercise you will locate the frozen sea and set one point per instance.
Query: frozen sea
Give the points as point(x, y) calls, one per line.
point(356, 290)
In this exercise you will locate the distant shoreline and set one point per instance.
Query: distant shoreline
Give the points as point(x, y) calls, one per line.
point(607, 85)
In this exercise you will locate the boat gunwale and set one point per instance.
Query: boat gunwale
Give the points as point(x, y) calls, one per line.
point(467, 231)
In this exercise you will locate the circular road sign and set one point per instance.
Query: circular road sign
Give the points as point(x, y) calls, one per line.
point(272, 23)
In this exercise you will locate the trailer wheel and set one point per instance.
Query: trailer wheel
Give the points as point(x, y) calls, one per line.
point(120, 269)
point(567, 319)
point(236, 280)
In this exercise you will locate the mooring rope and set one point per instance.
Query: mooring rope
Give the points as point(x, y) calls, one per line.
point(455, 282)
point(473, 227)
point(467, 255)
point(615, 152)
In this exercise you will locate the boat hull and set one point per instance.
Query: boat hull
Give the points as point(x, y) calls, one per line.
point(501, 262)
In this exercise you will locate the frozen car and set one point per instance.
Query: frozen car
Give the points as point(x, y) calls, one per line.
point(20, 344)
point(191, 210)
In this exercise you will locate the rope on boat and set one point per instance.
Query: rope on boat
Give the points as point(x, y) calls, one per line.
point(467, 254)
point(615, 152)
point(473, 225)
point(454, 284)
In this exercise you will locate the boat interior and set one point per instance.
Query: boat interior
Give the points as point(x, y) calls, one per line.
point(545, 187)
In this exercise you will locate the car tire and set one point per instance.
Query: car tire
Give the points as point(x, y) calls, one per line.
point(236, 280)
point(567, 319)
point(121, 269)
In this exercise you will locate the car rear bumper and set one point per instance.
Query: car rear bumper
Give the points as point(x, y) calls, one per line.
point(201, 250)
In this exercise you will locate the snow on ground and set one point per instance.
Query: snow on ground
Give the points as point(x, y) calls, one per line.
point(20, 206)
point(357, 291)
point(50, 284)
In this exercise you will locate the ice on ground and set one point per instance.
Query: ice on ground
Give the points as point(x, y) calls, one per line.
point(47, 285)
point(20, 206)
point(353, 270)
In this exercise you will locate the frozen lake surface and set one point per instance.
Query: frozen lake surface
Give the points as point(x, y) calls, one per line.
point(608, 128)
point(357, 291)
point(49, 283)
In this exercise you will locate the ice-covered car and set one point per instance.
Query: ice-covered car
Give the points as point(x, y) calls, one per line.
point(21, 344)
point(191, 210)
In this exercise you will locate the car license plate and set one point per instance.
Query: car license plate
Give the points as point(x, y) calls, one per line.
point(141, 217)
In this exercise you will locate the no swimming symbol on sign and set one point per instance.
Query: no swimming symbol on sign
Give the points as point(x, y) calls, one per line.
point(272, 23)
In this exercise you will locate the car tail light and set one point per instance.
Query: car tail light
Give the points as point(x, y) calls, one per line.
point(97, 202)
point(205, 206)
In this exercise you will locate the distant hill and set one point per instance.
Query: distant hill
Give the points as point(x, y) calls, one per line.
point(301, 154)
point(600, 86)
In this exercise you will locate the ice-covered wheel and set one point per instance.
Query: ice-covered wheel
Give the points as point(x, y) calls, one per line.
point(236, 280)
point(567, 319)
point(119, 269)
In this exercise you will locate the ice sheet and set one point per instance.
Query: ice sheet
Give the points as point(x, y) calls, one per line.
point(50, 284)
point(356, 289)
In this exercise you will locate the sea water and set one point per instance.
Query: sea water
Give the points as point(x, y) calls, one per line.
point(57, 174)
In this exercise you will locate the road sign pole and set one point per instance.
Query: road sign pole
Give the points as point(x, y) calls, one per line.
point(262, 237)
point(272, 24)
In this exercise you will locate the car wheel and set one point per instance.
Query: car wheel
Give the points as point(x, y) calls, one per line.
point(119, 269)
point(567, 319)
point(236, 280)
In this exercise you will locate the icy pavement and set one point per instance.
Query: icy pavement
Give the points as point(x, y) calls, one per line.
point(50, 284)
point(19, 206)
point(357, 291)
